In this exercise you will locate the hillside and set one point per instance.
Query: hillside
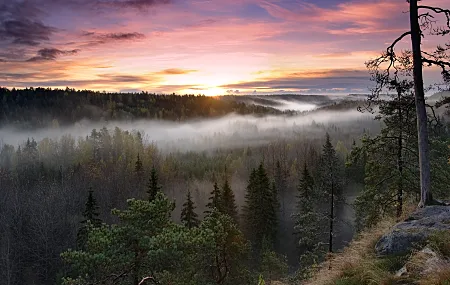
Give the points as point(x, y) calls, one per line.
point(414, 251)
point(43, 107)
point(40, 107)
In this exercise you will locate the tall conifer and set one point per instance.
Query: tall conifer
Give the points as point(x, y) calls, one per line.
point(188, 216)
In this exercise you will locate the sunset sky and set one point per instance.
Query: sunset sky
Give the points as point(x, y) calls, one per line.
point(206, 47)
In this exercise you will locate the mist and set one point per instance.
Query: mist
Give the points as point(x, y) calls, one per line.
point(230, 131)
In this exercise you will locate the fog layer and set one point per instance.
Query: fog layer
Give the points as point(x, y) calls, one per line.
point(228, 131)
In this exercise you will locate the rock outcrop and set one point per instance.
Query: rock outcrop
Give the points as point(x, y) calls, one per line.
point(415, 230)
point(424, 262)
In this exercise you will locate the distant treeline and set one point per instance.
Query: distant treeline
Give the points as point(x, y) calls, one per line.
point(40, 107)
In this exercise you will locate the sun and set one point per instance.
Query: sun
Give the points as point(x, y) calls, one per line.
point(204, 90)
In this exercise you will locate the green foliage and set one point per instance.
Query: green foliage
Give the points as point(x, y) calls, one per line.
point(228, 202)
point(330, 184)
point(440, 241)
point(126, 251)
point(273, 266)
point(69, 106)
point(307, 218)
point(440, 158)
point(260, 219)
point(91, 219)
point(138, 165)
point(391, 161)
point(225, 256)
point(146, 243)
point(261, 280)
point(153, 187)
point(188, 216)
point(214, 199)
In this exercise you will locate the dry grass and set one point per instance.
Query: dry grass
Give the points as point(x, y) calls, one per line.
point(441, 277)
point(358, 264)
point(360, 252)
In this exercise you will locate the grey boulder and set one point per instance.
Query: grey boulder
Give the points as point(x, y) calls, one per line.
point(414, 231)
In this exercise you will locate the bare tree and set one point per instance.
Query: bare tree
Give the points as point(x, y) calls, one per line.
point(390, 67)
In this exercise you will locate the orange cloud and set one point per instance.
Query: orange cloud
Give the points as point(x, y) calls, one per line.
point(176, 71)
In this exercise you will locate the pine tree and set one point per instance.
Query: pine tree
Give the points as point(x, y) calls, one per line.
point(228, 202)
point(91, 218)
point(214, 199)
point(330, 175)
point(153, 186)
point(390, 159)
point(188, 216)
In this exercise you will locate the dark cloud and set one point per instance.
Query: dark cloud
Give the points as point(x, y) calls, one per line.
point(120, 36)
point(52, 54)
point(101, 5)
point(124, 78)
point(103, 38)
point(17, 76)
point(300, 81)
point(138, 4)
point(20, 24)
point(25, 32)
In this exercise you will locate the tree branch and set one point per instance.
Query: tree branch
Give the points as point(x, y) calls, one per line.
point(438, 10)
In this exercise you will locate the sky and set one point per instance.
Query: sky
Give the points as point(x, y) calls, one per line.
point(210, 47)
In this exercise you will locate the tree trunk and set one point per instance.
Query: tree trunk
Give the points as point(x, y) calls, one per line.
point(400, 160)
point(424, 159)
point(330, 241)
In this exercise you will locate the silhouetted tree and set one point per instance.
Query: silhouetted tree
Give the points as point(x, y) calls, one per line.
point(259, 212)
point(153, 185)
point(188, 216)
point(214, 199)
point(228, 201)
point(385, 69)
point(91, 218)
point(138, 165)
point(330, 183)
point(307, 218)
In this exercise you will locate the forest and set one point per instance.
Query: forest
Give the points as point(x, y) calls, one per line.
point(39, 107)
point(142, 188)
point(116, 206)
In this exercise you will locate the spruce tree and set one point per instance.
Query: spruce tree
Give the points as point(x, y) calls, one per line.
point(138, 165)
point(281, 185)
point(228, 202)
point(330, 178)
point(214, 199)
point(91, 218)
point(307, 219)
point(188, 216)
point(153, 186)
point(260, 219)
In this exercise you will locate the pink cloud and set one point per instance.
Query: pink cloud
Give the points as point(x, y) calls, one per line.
point(363, 17)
